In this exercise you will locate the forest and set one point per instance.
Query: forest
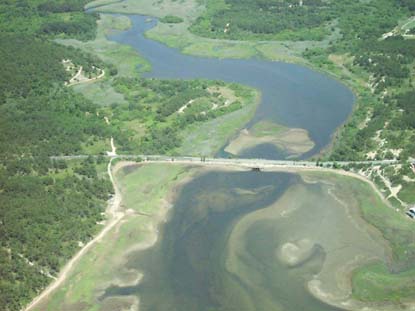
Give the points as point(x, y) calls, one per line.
point(264, 20)
point(42, 18)
point(389, 65)
point(47, 208)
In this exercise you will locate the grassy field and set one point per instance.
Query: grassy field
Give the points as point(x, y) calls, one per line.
point(144, 190)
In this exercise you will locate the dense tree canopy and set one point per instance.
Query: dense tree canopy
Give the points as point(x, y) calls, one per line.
point(242, 19)
point(40, 18)
point(46, 208)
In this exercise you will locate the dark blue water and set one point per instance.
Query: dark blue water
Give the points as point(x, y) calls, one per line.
point(292, 95)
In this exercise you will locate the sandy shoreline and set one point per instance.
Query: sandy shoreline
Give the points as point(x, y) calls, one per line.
point(294, 141)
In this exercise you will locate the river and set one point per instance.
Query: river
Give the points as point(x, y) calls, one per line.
point(291, 95)
point(251, 240)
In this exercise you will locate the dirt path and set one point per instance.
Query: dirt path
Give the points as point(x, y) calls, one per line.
point(113, 151)
point(79, 78)
point(114, 213)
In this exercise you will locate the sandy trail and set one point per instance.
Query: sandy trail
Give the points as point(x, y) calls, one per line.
point(76, 76)
point(113, 151)
point(115, 214)
point(79, 78)
point(393, 190)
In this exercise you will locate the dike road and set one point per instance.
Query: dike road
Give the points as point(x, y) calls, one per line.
point(249, 163)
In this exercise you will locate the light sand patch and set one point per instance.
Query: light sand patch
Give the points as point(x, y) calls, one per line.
point(129, 278)
point(294, 253)
point(294, 141)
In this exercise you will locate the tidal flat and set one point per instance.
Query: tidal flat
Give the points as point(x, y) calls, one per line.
point(198, 238)
point(242, 240)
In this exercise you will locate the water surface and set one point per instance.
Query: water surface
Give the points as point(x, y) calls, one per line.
point(225, 245)
point(248, 241)
point(292, 95)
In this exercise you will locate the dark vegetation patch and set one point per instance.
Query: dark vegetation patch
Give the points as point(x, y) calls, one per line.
point(259, 19)
point(40, 18)
point(171, 19)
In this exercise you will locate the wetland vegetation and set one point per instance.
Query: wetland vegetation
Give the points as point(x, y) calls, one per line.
point(49, 209)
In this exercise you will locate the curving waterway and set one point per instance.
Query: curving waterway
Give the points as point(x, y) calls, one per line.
point(291, 95)
point(252, 240)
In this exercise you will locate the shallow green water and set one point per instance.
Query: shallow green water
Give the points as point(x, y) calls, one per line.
point(225, 246)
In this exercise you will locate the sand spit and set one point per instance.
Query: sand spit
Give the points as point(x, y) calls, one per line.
point(293, 141)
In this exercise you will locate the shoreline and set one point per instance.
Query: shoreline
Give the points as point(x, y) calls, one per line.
point(297, 60)
point(346, 303)
point(159, 218)
point(162, 214)
point(350, 83)
point(115, 214)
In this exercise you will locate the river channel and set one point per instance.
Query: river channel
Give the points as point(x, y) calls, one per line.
point(251, 240)
point(291, 95)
